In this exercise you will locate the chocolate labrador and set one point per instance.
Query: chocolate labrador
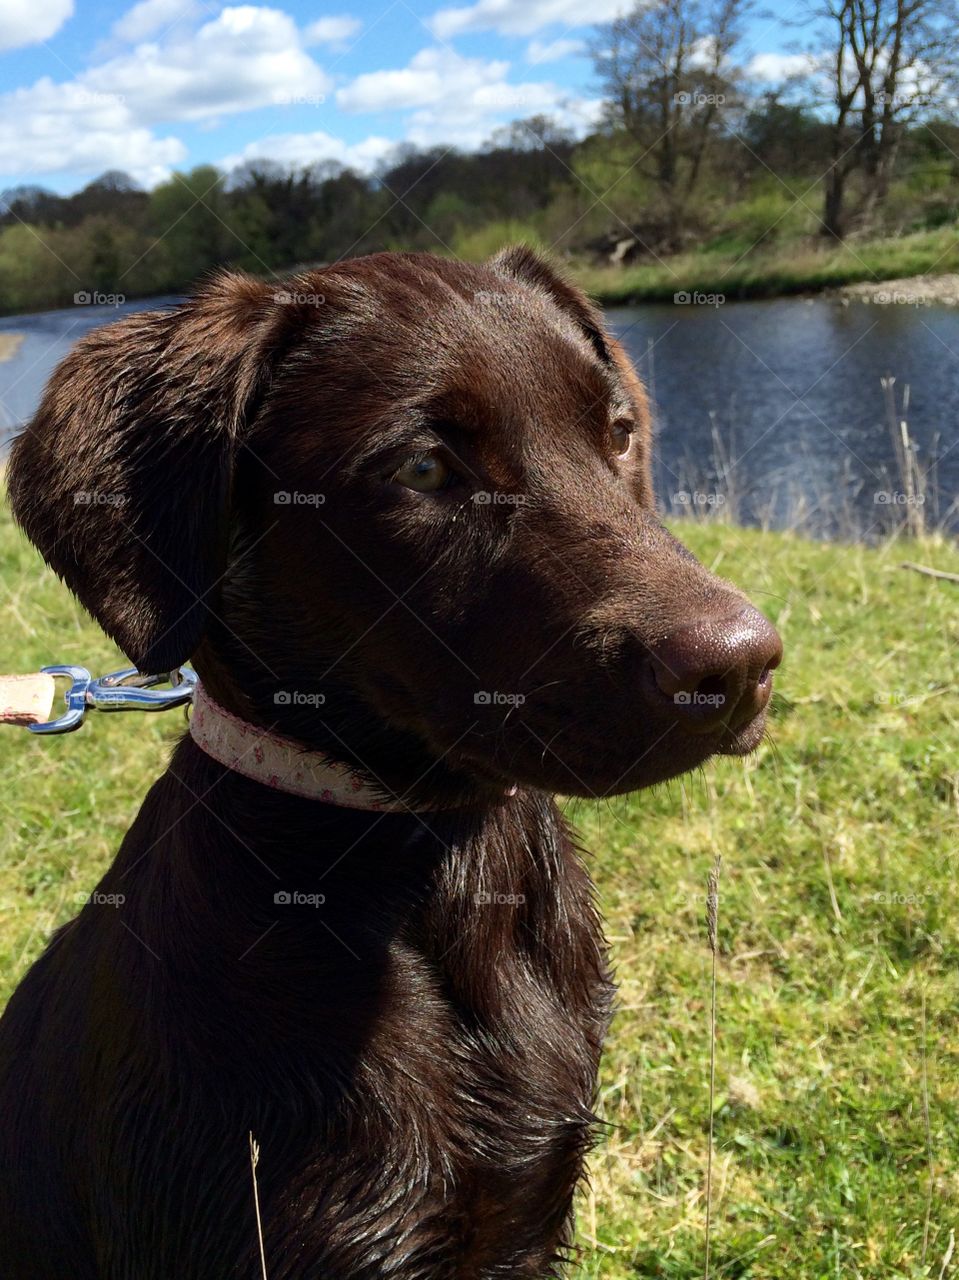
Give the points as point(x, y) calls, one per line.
point(399, 514)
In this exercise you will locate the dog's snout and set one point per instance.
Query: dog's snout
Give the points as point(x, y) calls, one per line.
point(717, 672)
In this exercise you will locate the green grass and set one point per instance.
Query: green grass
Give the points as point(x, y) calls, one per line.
point(795, 267)
point(838, 913)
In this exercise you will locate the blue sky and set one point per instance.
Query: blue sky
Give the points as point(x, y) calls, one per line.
point(87, 85)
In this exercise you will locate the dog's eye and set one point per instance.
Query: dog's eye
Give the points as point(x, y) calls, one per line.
point(621, 437)
point(426, 474)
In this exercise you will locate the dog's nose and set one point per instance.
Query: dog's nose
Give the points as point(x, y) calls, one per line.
point(717, 672)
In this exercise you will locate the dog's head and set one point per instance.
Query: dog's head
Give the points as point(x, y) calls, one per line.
point(401, 509)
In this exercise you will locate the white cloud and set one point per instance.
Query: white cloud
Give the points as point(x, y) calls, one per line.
point(538, 51)
point(299, 149)
point(25, 22)
point(53, 128)
point(245, 58)
point(458, 100)
point(160, 70)
point(773, 67)
point(334, 31)
point(150, 16)
point(522, 17)
point(468, 131)
point(433, 76)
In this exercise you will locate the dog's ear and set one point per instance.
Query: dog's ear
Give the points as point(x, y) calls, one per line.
point(123, 478)
point(523, 264)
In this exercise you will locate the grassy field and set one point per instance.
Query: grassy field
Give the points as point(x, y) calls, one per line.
point(747, 272)
point(837, 1056)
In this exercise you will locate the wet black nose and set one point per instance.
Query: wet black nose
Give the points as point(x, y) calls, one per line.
point(717, 672)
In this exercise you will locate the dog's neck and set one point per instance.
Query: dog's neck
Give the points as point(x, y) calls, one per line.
point(281, 763)
point(342, 742)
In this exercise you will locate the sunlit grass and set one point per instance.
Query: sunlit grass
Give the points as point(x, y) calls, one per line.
point(838, 909)
point(740, 271)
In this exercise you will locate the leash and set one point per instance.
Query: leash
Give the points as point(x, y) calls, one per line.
point(27, 701)
point(278, 762)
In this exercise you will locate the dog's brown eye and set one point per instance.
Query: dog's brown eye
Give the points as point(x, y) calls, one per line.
point(621, 437)
point(425, 474)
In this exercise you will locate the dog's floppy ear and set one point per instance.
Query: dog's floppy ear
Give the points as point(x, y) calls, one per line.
point(122, 480)
point(523, 264)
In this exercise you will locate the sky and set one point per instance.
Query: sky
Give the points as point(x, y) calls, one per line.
point(91, 85)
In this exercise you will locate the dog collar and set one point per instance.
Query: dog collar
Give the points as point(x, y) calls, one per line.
point(280, 763)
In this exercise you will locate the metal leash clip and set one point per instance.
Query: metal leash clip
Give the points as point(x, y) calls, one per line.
point(126, 690)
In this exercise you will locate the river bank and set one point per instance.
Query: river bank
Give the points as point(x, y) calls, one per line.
point(777, 271)
point(734, 271)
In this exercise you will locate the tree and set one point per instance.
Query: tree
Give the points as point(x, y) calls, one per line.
point(889, 63)
point(191, 232)
point(784, 137)
point(667, 70)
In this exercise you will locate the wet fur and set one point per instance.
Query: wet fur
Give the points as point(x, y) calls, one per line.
point(417, 1063)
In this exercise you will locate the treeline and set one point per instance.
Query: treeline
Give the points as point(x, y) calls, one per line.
point(575, 198)
point(115, 238)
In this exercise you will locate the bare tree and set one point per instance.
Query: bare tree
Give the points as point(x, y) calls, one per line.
point(890, 62)
point(667, 71)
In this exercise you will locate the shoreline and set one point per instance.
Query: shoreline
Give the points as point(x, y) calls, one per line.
point(918, 269)
point(908, 291)
point(804, 268)
point(918, 290)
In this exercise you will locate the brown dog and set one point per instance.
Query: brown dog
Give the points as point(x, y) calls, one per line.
point(402, 514)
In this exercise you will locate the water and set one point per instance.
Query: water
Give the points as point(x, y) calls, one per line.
point(47, 337)
point(791, 388)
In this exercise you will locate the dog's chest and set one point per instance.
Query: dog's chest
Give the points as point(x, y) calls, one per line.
point(457, 1152)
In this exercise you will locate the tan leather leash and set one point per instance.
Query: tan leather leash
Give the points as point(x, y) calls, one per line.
point(27, 700)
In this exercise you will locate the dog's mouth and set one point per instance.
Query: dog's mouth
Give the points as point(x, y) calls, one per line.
point(574, 761)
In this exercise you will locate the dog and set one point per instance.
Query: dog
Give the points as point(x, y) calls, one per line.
point(399, 514)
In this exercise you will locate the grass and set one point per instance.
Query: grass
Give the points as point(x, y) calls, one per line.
point(837, 923)
point(794, 267)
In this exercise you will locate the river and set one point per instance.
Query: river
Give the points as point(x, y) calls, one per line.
point(771, 412)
